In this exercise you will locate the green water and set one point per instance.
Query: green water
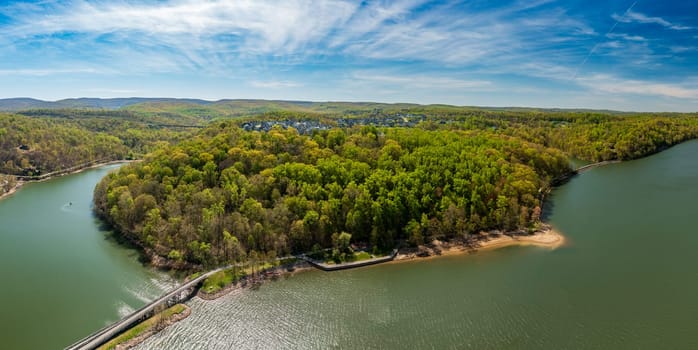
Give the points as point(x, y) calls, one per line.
point(62, 275)
point(627, 280)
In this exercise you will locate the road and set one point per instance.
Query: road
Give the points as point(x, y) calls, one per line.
point(105, 334)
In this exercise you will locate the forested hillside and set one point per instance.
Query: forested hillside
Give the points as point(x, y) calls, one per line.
point(229, 193)
point(33, 146)
point(304, 173)
point(592, 136)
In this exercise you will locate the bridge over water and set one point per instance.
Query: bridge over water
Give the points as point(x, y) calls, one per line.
point(179, 294)
point(186, 291)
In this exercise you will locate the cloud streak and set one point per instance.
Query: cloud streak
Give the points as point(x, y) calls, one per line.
point(49, 72)
point(439, 48)
point(206, 34)
point(609, 84)
point(421, 81)
point(275, 84)
point(637, 17)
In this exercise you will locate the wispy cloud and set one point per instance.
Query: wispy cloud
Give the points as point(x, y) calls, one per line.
point(260, 25)
point(682, 49)
point(47, 72)
point(181, 35)
point(420, 81)
point(458, 36)
point(216, 34)
point(275, 84)
point(626, 37)
point(633, 16)
point(110, 91)
point(610, 84)
point(399, 48)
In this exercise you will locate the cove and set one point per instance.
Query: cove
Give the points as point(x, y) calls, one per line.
point(627, 279)
point(64, 276)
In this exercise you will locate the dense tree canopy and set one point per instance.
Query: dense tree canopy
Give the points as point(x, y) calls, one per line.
point(371, 173)
point(39, 145)
point(584, 135)
point(229, 192)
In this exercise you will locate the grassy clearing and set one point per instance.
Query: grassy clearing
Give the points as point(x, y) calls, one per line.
point(142, 327)
point(219, 280)
point(222, 279)
point(333, 257)
point(361, 256)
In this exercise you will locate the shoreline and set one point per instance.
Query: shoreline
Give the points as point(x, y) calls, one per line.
point(12, 190)
point(150, 331)
point(21, 183)
point(59, 173)
point(545, 237)
point(249, 282)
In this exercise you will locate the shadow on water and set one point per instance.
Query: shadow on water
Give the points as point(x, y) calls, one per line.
point(111, 236)
point(548, 206)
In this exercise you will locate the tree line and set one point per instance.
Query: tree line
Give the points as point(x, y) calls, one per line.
point(222, 194)
point(229, 193)
point(31, 146)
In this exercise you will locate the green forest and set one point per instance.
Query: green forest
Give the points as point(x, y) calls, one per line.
point(228, 194)
point(236, 180)
point(43, 142)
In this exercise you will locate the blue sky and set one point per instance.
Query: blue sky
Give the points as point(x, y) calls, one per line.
point(624, 55)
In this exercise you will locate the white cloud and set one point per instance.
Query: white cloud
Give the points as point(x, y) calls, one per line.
point(548, 71)
point(632, 16)
point(47, 72)
point(275, 84)
point(112, 92)
point(611, 84)
point(258, 44)
point(421, 81)
point(457, 37)
point(255, 26)
point(216, 34)
point(626, 37)
point(682, 49)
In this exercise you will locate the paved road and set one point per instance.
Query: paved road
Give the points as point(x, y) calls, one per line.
point(105, 334)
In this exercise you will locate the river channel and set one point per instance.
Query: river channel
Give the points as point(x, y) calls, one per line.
point(63, 276)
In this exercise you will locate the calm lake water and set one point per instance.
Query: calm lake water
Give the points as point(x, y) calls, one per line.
point(63, 277)
point(627, 280)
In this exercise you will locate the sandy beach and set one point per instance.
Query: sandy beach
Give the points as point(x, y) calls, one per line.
point(12, 190)
point(546, 237)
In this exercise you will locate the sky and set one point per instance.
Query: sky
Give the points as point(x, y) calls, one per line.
point(621, 55)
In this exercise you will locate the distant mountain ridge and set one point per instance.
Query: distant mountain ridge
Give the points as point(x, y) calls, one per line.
point(236, 107)
point(23, 103)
